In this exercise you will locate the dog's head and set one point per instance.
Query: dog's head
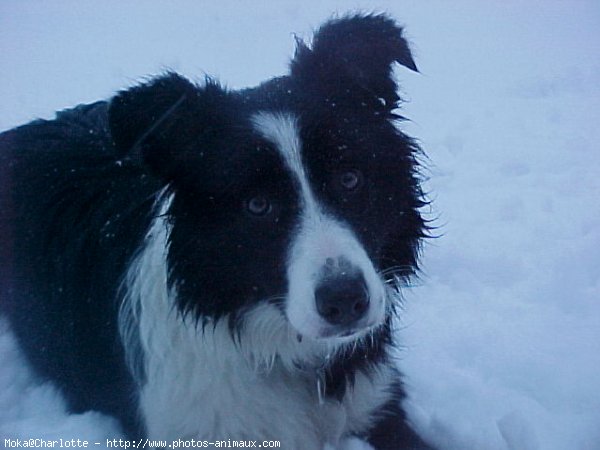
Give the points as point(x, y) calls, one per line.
point(299, 197)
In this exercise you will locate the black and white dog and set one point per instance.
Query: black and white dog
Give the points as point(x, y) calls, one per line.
point(210, 264)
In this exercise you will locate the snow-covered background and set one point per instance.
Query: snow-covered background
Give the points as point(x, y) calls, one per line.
point(502, 333)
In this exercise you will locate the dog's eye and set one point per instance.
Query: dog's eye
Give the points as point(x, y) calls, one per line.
point(259, 205)
point(350, 179)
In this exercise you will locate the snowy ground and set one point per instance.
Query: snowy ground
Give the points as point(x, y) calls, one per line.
point(502, 333)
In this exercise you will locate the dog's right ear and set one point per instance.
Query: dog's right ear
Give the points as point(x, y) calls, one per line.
point(165, 122)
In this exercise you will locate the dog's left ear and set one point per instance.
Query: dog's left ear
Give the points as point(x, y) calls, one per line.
point(353, 56)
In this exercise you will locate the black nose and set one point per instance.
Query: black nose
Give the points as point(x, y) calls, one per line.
point(343, 299)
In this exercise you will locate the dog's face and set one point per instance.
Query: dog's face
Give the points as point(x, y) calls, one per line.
point(300, 193)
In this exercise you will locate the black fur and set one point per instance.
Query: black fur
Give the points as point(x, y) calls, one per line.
point(71, 219)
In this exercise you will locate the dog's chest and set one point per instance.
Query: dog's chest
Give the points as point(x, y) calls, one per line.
point(235, 403)
point(203, 395)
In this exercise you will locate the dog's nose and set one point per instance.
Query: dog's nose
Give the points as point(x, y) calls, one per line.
point(342, 299)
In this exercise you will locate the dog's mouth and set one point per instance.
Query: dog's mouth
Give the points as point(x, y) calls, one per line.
point(332, 334)
point(341, 333)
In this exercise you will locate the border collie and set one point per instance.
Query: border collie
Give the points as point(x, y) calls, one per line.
point(212, 264)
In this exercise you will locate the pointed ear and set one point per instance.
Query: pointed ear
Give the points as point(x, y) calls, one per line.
point(355, 53)
point(164, 122)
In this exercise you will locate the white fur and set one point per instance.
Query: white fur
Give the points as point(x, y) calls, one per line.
point(201, 384)
point(282, 130)
point(319, 237)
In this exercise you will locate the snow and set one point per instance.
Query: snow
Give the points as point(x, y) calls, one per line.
point(501, 335)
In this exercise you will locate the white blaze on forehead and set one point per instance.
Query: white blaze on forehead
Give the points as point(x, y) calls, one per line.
point(281, 129)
